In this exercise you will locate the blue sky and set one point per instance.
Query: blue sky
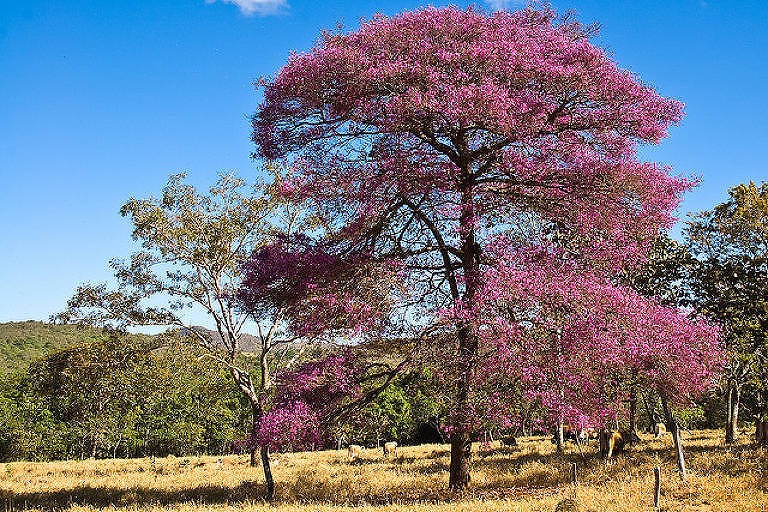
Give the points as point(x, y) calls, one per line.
point(101, 100)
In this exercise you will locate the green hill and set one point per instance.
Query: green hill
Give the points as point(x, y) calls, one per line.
point(21, 342)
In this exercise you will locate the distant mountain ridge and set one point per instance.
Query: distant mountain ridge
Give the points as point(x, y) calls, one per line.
point(248, 342)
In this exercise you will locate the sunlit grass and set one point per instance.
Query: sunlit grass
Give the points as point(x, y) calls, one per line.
point(531, 477)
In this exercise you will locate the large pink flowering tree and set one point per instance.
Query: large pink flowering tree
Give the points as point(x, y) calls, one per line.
point(456, 149)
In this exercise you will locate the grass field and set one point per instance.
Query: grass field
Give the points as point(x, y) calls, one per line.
point(531, 477)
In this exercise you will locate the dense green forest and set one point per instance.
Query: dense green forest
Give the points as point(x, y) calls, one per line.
point(73, 392)
point(68, 392)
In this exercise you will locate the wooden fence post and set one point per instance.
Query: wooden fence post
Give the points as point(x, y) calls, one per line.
point(657, 487)
point(574, 478)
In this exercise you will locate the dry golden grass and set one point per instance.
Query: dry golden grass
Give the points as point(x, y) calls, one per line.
point(531, 477)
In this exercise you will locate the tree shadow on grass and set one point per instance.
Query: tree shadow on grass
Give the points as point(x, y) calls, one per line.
point(104, 496)
point(247, 492)
point(733, 461)
point(397, 459)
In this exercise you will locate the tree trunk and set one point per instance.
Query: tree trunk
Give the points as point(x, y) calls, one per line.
point(632, 415)
point(268, 474)
point(559, 435)
point(728, 414)
point(144, 443)
point(651, 412)
point(602, 439)
point(679, 450)
point(735, 414)
point(461, 443)
point(245, 383)
point(117, 444)
point(761, 425)
point(461, 452)
point(673, 427)
point(258, 412)
point(733, 398)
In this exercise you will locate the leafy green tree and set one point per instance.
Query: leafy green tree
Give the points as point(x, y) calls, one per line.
point(193, 245)
point(664, 276)
point(390, 416)
point(729, 284)
point(119, 396)
point(88, 388)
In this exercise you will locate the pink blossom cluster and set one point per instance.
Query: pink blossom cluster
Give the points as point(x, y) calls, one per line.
point(291, 426)
point(575, 342)
point(510, 71)
point(318, 290)
point(304, 401)
point(551, 126)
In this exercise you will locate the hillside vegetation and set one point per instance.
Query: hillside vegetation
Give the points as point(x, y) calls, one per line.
point(105, 395)
point(530, 477)
point(23, 342)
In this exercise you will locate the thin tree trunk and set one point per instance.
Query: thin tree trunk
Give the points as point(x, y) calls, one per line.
point(736, 398)
point(679, 450)
point(729, 413)
point(268, 473)
point(559, 434)
point(117, 444)
point(146, 438)
point(761, 425)
point(632, 415)
point(650, 411)
point(674, 428)
point(258, 412)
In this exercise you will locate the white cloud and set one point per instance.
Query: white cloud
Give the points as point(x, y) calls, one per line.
point(260, 7)
point(498, 5)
